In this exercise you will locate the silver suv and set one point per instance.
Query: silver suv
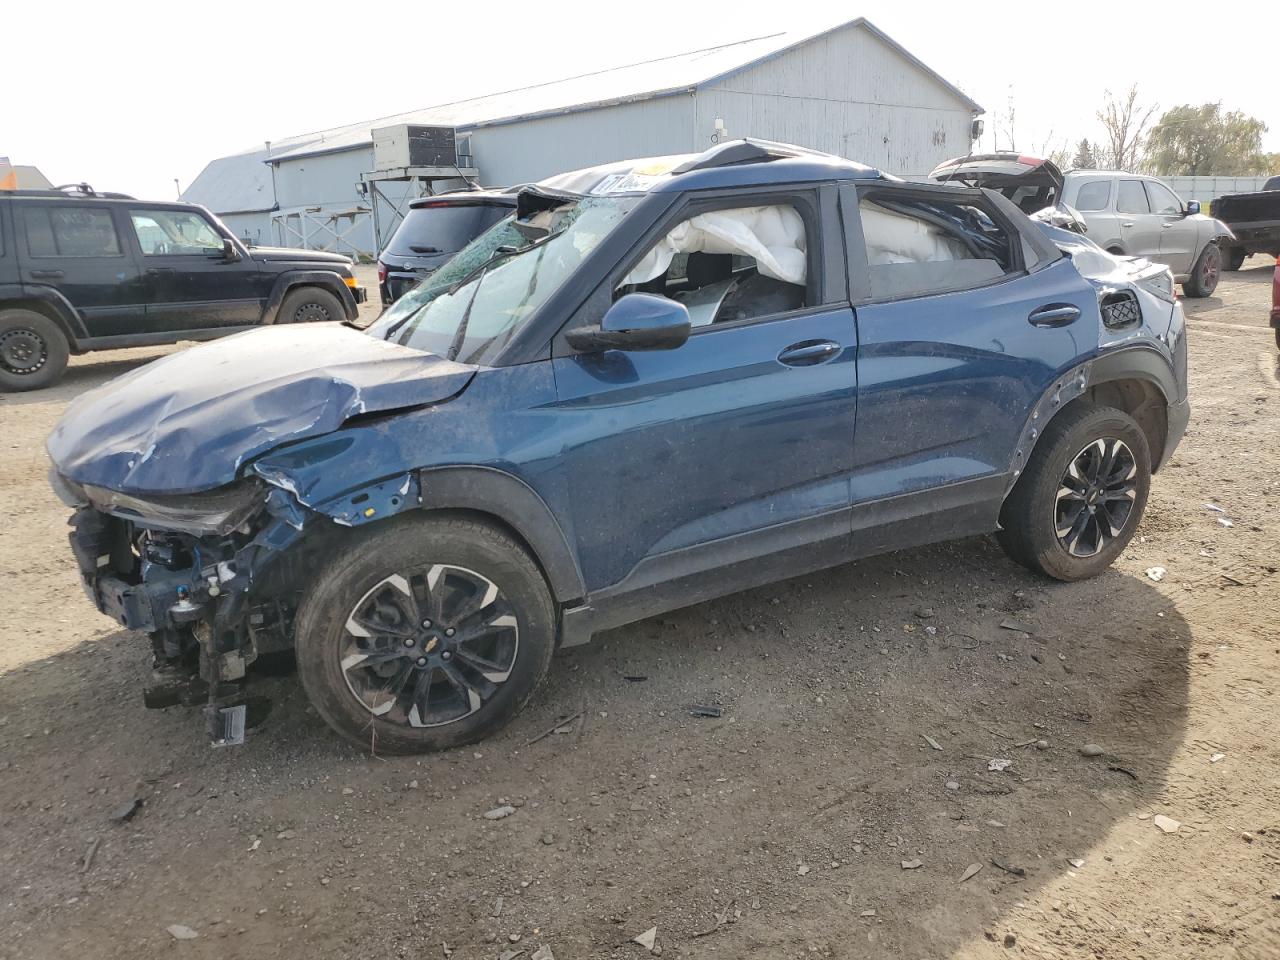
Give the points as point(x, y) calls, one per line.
point(1125, 213)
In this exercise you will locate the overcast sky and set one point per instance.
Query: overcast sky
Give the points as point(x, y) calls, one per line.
point(130, 95)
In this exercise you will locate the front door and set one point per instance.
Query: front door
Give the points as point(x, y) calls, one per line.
point(737, 444)
point(1140, 229)
point(190, 284)
point(79, 250)
point(1179, 234)
point(957, 341)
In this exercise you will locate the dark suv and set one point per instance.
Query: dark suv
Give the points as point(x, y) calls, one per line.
point(83, 271)
point(434, 229)
point(658, 383)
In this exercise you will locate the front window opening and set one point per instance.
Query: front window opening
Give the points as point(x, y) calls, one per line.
point(474, 303)
point(728, 265)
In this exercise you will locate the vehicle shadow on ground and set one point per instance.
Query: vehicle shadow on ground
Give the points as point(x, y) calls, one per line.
point(861, 710)
point(83, 374)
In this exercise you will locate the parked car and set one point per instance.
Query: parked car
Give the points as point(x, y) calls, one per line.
point(659, 382)
point(434, 229)
point(82, 271)
point(1126, 214)
point(1254, 218)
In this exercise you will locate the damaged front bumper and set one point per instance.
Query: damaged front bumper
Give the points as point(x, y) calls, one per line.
point(214, 579)
point(200, 575)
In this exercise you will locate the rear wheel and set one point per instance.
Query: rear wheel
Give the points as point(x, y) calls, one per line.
point(1078, 503)
point(310, 305)
point(1205, 274)
point(427, 633)
point(1233, 258)
point(33, 351)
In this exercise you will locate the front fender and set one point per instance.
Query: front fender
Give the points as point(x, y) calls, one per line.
point(308, 278)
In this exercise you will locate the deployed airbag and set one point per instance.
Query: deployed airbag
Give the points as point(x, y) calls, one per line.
point(774, 236)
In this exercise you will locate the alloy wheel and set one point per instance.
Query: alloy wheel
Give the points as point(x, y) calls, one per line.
point(430, 647)
point(23, 351)
point(1095, 497)
point(1209, 271)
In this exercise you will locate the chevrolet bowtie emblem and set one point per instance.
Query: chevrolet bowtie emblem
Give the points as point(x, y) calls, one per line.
point(432, 644)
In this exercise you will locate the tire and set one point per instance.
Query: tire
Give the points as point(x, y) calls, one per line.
point(33, 351)
point(1030, 518)
point(1205, 274)
point(1233, 258)
point(310, 305)
point(444, 563)
point(1277, 338)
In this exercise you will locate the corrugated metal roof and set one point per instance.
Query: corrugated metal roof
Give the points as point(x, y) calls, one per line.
point(240, 183)
point(637, 81)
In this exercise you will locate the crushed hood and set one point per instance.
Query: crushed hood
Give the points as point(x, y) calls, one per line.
point(189, 421)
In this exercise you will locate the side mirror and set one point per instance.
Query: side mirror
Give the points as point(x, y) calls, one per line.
point(1193, 206)
point(229, 250)
point(639, 321)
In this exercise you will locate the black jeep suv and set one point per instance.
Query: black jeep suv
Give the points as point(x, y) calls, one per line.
point(83, 271)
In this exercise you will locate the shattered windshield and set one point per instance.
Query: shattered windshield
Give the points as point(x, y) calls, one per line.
point(473, 304)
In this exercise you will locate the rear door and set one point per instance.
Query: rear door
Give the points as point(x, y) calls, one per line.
point(1140, 229)
point(1179, 234)
point(79, 249)
point(189, 283)
point(957, 341)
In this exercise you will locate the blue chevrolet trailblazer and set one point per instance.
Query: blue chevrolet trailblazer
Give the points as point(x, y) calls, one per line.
point(656, 382)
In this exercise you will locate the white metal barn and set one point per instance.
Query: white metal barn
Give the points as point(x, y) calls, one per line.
point(849, 90)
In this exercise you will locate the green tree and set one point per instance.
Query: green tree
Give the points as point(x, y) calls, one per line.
point(1084, 158)
point(1204, 141)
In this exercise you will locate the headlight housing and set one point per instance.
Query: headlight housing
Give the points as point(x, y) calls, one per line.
point(212, 513)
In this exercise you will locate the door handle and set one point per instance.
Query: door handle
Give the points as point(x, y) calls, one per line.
point(1054, 315)
point(808, 352)
point(47, 274)
point(153, 271)
point(1126, 223)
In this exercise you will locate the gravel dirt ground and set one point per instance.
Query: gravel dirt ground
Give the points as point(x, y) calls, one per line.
point(834, 810)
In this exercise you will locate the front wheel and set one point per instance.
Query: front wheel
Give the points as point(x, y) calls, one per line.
point(427, 633)
point(1205, 274)
point(310, 305)
point(1078, 503)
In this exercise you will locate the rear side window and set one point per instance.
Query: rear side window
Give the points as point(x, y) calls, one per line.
point(429, 230)
point(917, 246)
point(67, 231)
point(1094, 195)
point(1132, 198)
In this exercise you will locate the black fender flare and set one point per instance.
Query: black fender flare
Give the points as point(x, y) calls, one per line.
point(325, 279)
point(513, 502)
point(56, 304)
point(1136, 362)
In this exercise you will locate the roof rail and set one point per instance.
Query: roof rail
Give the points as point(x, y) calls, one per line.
point(746, 150)
point(84, 190)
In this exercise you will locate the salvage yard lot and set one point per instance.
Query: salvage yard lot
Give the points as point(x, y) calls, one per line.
point(789, 827)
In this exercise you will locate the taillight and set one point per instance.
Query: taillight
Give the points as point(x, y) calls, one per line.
point(382, 272)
